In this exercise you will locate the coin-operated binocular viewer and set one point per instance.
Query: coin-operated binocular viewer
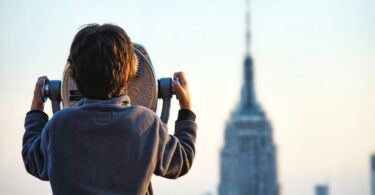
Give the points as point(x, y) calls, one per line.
point(144, 89)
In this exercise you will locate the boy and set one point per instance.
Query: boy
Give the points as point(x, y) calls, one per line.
point(105, 145)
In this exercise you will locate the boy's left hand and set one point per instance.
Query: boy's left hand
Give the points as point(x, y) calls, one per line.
point(38, 103)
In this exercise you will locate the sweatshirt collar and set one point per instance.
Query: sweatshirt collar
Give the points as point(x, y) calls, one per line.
point(120, 100)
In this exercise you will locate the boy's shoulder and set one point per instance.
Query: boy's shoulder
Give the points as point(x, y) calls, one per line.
point(141, 110)
point(141, 114)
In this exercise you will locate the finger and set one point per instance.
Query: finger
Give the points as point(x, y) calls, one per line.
point(43, 77)
point(176, 74)
point(41, 80)
point(182, 78)
point(178, 88)
point(177, 84)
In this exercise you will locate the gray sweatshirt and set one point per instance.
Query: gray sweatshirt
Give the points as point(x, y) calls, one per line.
point(106, 147)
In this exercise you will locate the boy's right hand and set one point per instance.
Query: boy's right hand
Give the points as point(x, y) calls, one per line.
point(182, 91)
point(37, 103)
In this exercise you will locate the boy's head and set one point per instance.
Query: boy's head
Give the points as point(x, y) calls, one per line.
point(103, 61)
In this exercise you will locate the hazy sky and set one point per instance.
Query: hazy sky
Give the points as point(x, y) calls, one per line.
point(314, 66)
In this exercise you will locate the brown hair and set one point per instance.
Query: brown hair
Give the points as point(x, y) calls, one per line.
point(103, 61)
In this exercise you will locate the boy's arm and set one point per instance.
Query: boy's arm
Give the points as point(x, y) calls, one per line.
point(34, 145)
point(35, 139)
point(176, 152)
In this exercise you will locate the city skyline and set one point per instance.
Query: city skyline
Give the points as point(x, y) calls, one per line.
point(315, 78)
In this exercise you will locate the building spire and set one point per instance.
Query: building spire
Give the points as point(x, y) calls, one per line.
point(248, 101)
point(247, 24)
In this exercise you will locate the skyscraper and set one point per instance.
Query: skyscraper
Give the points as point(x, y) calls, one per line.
point(373, 174)
point(321, 190)
point(248, 158)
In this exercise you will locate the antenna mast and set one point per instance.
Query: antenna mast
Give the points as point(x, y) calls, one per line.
point(247, 28)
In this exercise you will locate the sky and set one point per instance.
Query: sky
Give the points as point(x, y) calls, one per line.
point(314, 77)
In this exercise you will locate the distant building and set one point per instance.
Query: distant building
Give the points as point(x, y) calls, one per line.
point(373, 174)
point(248, 158)
point(321, 190)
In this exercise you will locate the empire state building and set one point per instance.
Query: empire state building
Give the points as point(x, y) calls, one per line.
point(248, 158)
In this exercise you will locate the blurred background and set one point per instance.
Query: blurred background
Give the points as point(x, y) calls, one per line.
point(314, 67)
